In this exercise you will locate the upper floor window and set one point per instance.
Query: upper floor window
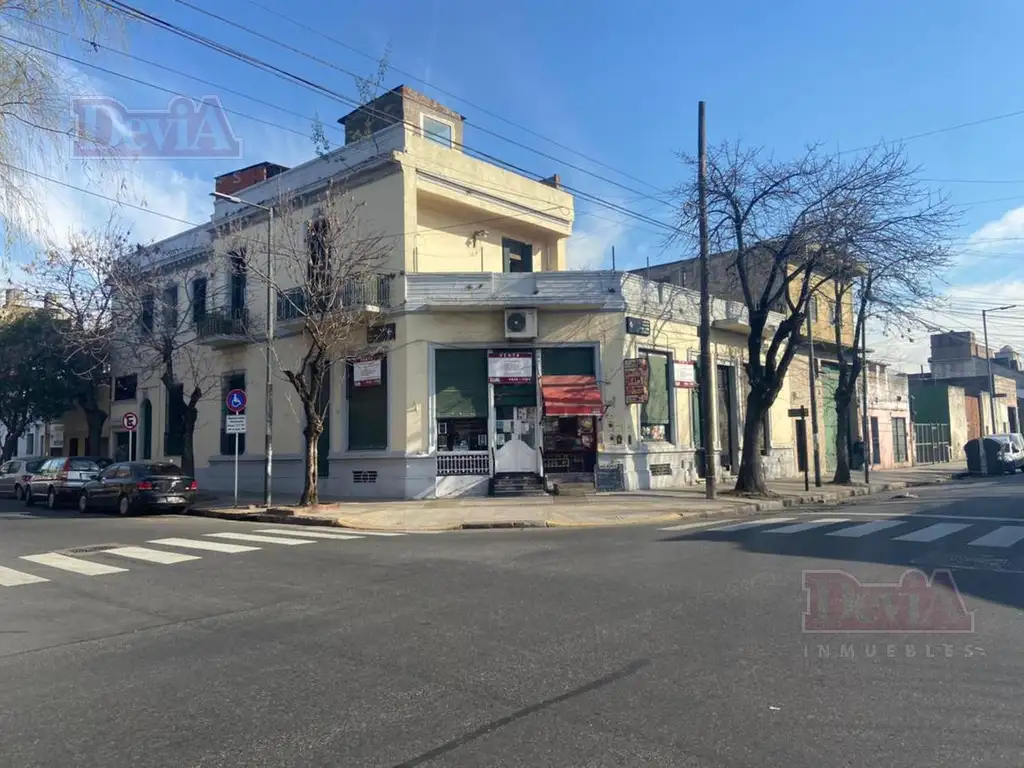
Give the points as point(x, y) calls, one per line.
point(437, 130)
point(125, 386)
point(319, 246)
point(198, 300)
point(518, 257)
point(170, 308)
point(146, 321)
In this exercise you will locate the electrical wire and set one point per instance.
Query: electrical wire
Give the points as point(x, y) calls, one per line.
point(438, 89)
point(332, 65)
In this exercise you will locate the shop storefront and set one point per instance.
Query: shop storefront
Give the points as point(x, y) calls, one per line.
point(516, 410)
point(571, 406)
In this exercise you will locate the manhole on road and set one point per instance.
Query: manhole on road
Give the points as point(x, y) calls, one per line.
point(90, 549)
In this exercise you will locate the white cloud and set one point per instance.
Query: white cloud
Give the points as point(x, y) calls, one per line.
point(995, 233)
point(591, 248)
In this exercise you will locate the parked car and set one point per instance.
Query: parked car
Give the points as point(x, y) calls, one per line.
point(1000, 458)
point(1013, 445)
point(15, 474)
point(59, 480)
point(138, 486)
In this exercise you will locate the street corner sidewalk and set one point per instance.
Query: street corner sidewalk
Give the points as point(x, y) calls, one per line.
point(598, 510)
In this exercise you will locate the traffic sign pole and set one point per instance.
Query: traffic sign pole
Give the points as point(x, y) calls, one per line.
point(235, 401)
point(236, 469)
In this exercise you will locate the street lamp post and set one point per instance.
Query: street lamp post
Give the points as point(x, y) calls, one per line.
point(268, 455)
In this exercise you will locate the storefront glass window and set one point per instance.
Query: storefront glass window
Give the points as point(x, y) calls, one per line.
point(655, 414)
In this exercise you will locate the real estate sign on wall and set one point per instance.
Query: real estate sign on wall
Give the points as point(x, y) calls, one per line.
point(56, 435)
point(634, 369)
point(685, 374)
point(510, 367)
point(366, 373)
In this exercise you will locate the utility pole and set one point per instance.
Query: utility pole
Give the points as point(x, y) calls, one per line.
point(991, 385)
point(864, 381)
point(708, 438)
point(814, 400)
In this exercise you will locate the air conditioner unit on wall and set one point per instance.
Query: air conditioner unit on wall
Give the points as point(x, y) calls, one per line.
point(520, 323)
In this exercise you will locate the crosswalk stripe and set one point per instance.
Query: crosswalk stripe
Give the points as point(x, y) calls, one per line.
point(340, 530)
point(752, 524)
point(865, 529)
point(150, 555)
point(689, 526)
point(311, 534)
point(12, 578)
point(800, 527)
point(263, 539)
point(1004, 536)
point(73, 564)
point(209, 546)
point(932, 532)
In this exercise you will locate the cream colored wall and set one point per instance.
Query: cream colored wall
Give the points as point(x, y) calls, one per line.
point(445, 242)
point(493, 181)
point(409, 408)
point(377, 209)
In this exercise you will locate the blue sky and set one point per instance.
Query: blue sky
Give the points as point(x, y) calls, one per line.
point(619, 82)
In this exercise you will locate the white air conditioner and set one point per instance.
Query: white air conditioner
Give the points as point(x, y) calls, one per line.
point(520, 323)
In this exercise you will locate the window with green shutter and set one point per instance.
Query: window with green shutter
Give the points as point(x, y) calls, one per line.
point(460, 383)
point(568, 361)
point(655, 414)
point(368, 412)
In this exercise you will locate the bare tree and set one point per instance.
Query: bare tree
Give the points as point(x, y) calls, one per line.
point(887, 252)
point(36, 129)
point(786, 228)
point(73, 282)
point(161, 313)
point(329, 290)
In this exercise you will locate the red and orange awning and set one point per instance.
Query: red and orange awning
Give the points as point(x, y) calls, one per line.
point(571, 396)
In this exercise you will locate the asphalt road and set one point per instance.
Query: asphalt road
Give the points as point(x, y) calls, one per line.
point(612, 647)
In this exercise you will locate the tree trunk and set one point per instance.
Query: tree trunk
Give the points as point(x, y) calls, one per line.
point(842, 404)
point(310, 486)
point(188, 455)
point(751, 475)
point(10, 445)
point(95, 418)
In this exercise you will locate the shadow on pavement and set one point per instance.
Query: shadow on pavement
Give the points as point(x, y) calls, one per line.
point(990, 573)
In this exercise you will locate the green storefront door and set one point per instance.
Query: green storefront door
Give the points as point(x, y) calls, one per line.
point(829, 384)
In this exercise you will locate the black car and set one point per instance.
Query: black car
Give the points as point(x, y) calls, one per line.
point(138, 486)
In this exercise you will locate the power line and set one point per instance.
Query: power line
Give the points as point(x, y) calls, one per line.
point(334, 66)
point(442, 91)
point(155, 86)
point(947, 129)
point(198, 225)
point(139, 15)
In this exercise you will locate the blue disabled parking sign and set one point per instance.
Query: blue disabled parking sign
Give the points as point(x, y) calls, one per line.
point(236, 400)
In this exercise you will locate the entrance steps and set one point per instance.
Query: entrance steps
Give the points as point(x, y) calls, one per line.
point(507, 484)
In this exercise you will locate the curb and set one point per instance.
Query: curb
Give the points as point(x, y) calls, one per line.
point(280, 516)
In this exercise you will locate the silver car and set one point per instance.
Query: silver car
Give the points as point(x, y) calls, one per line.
point(1012, 451)
point(60, 480)
point(15, 474)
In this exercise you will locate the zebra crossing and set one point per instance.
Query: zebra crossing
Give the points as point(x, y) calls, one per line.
point(984, 534)
point(47, 566)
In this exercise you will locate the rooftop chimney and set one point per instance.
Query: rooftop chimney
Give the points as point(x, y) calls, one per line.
point(403, 104)
point(234, 182)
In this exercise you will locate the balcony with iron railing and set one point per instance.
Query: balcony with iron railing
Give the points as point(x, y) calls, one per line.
point(372, 294)
point(226, 327)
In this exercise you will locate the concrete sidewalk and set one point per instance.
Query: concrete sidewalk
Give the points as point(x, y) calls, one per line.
point(626, 508)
